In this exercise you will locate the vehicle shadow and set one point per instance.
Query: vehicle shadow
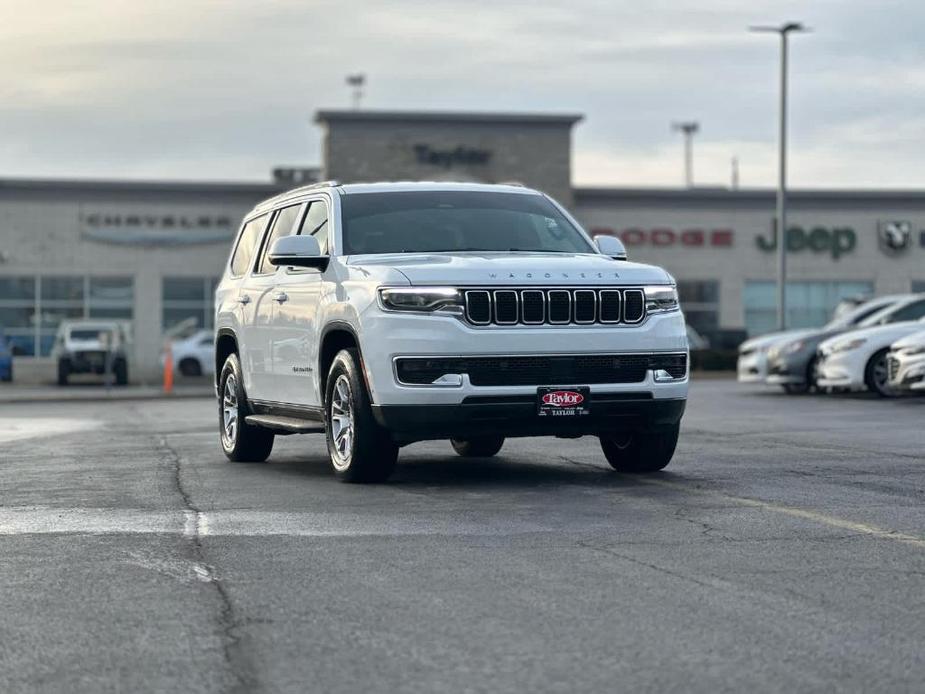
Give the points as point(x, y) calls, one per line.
point(499, 472)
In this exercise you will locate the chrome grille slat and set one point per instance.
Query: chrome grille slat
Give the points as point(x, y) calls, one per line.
point(507, 306)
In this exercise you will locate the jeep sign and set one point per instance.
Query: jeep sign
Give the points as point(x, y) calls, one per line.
point(835, 241)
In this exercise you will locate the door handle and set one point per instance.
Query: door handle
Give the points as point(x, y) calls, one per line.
point(245, 299)
point(281, 297)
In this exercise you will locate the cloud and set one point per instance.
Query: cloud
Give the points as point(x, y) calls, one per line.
point(203, 90)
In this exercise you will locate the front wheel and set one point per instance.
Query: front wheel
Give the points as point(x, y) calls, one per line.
point(877, 375)
point(64, 371)
point(478, 447)
point(360, 450)
point(241, 441)
point(640, 452)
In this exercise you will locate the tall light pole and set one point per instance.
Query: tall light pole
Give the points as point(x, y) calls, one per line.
point(784, 30)
point(356, 82)
point(688, 129)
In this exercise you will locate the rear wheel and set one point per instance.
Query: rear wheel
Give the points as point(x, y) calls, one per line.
point(190, 367)
point(640, 452)
point(478, 447)
point(877, 374)
point(121, 372)
point(64, 370)
point(360, 450)
point(241, 441)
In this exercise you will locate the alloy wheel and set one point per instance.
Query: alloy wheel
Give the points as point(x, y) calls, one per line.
point(342, 422)
point(230, 412)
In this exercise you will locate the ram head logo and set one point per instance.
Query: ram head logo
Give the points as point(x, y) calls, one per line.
point(895, 237)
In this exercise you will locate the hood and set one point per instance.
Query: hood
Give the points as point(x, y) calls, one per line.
point(765, 341)
point(916, 339)
point(479, 268)
point(879, 335)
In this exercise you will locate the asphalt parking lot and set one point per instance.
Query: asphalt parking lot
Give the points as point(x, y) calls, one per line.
point(782, 550)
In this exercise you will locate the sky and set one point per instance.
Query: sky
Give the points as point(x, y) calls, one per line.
point(185, 89)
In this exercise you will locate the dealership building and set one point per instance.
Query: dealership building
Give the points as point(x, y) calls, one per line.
point(150, 253)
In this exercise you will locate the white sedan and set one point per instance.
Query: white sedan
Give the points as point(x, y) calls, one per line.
point(752, 365)
point(906, 363)
point(194, 355)
point(857, 360)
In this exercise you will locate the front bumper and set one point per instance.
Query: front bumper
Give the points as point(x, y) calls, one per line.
point(387, 336)
point(752, 367)
point(842, 370)
point(788, 369)
point(516, 416)
point(907, 371)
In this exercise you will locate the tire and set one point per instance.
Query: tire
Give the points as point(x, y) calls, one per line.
point(876, 374)
point(241, 442)
point(190, 367)
point(640, 452)
point(360, 450)
point(64, 370)
point(120, 370)
point(479, 447)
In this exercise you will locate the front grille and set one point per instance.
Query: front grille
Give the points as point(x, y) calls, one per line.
point(577, 369)
point(581, 306)
point(893, 364)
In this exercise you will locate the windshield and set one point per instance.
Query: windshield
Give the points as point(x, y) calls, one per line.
point(85, 334)
point(859, 314)
point(435, 221)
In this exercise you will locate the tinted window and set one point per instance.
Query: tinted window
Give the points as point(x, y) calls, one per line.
point(912, 311)
point(434, 221)
point(282, 226)
point(316, 224)
point(244, 252)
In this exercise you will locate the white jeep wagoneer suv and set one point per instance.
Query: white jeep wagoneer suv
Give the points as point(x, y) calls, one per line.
point(383, 314)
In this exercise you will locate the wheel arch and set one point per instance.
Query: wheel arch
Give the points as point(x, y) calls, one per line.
point(226, 342)
point(336, 336)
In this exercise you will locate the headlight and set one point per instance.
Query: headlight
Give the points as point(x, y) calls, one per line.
point(792, 347)
point(421, 299)
point(661, 298)
point(849, 345)
point(917, 349)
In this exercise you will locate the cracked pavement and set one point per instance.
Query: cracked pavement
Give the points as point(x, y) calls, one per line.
point(783, 549)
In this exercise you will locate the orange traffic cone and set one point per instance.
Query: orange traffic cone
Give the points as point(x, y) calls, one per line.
point(168, 369)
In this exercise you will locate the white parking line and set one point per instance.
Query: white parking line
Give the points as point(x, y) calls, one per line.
point(18, 428)
point(805, 514)
point(32, 520)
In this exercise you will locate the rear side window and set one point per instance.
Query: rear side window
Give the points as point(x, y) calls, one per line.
point(316, 224)
point(912, 311)
point(282, 226)
point(244, 252)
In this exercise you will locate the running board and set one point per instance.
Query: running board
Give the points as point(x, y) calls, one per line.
point(285, 425)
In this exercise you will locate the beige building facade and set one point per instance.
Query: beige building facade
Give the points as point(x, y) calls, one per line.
point(150, 253)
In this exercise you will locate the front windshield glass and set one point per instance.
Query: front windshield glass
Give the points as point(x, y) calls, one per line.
point(87, 333)
point(877, 317)
point(448, 221)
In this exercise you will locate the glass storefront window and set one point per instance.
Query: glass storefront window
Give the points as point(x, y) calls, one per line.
point(918, 286)
point(32, 308)
point(700, 303)
point(809, 304)
point(187, 299)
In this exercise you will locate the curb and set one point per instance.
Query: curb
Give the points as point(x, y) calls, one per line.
point(56, 398)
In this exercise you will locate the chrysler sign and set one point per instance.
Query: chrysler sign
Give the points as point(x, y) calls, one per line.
point(155, 229)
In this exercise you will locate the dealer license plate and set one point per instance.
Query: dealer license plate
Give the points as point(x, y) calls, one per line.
point(563, 402)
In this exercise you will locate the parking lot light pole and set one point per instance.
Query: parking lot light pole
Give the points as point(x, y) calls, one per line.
point(688, 129)
point(784, 30)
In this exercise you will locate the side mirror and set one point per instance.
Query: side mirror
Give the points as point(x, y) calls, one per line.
point(610, 245)
point(298, 251)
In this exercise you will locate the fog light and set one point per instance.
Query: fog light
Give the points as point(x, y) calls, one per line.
point(662, 376)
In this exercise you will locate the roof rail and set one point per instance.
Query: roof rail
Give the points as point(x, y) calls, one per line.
point(295, 191)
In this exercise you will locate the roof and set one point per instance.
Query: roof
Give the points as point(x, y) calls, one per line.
point(409, 186)
point(329, 116)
